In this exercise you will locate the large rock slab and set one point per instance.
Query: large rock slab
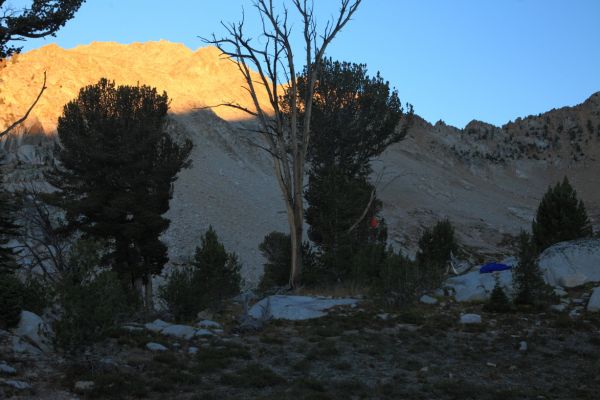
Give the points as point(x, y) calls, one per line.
point(32, 335)
point(295, 307)
point(571, 264)
point(594, 301)
point(474, 286)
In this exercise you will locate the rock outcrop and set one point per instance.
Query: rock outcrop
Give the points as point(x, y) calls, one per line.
point(571, 264)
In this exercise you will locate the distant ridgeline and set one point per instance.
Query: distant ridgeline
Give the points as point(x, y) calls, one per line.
point(560, 136)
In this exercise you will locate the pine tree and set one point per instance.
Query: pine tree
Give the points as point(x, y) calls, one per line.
point(276, 249)
point(216, 271)
point(117, 166)
point(498, 301)
point(530, 288)
point(354, 118)
point(435, 247)
point(561, 216)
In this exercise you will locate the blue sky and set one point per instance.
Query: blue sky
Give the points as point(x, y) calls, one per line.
point(455, 60)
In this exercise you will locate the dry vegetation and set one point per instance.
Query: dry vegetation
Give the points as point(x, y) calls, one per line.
point(419, 353)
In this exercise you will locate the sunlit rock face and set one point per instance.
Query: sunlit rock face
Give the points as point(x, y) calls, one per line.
point(192, 79)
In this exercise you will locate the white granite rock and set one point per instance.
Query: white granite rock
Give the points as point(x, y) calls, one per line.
point(426, 299)
point(468, 319)
point(572, 263)
point(593, 304)
point(185, 332)
point(152, 346)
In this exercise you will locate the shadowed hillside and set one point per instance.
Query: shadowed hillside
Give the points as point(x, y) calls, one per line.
point(488, 180)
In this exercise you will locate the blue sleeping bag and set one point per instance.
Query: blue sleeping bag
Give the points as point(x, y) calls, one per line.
point(493, 267)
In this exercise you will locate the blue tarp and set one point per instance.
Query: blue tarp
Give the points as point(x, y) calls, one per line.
point(493, 267)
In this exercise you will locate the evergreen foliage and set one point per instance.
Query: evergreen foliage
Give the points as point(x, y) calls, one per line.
point(336, 202)
point(398, 282)
point(435, 247)
point(498, 301)
point(354, 118)
point(11, 300)
point(41, 18)
point(276, 248)
point(213, 277)
point(93, 301)
point(118, 164)
point(561, 216)
point(218, 270)
point(530, 288)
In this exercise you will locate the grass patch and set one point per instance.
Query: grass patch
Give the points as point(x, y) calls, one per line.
point(217, 357)
point(253, 376)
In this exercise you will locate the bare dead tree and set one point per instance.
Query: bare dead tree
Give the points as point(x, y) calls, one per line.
point(286, 132)
point(40, 19)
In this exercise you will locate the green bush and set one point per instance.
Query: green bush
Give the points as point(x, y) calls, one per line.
point(11, 300)
point(397, 283)
point(561, 216)
point(214, 277)
point(530, 288)
point(182, 294)
point(90, 310)
point(435, 247)
point(276, 248)
point(366, 263)
point(93, 301)
point(498, 301)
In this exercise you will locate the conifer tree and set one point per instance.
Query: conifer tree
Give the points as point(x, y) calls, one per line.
point(435, 248)
point(561, 216)
point(530, 288)
point(216, 269)
point(498, 301)
point(354, 118)
point(117, 167)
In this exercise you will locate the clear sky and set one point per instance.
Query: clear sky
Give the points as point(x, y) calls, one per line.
point(455, 60)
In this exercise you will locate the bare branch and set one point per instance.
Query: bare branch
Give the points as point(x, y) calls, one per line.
point(24, 117)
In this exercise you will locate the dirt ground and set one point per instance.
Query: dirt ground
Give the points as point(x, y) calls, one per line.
point(361, 353)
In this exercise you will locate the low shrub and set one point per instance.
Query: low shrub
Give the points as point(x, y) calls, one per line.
point(90, 310)
point(397, 283)
point(498, 301)
point(93, 300)
point(277, 250)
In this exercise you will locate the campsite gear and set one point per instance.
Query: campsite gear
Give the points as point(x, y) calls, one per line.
point(493, 267)
point(374, 223)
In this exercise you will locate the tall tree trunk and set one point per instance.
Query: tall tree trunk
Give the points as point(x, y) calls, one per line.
point(148, 292)
point(296, 228)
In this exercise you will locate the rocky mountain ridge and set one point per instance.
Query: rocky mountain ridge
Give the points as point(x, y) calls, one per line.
point(487, 180)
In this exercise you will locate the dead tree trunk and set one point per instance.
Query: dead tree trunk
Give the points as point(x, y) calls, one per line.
point(285, 128)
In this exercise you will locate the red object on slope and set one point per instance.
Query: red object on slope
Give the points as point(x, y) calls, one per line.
point(374, 223)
